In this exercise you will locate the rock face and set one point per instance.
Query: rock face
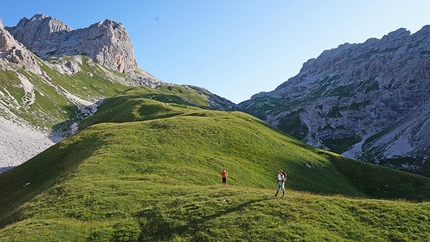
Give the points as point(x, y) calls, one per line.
point(14, 52)
point(369, 101)
point(106, 43)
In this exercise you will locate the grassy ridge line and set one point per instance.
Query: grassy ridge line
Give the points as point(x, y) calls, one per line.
point(144, 103)
point(147, 104)
point(44, 170)
point(139, 179)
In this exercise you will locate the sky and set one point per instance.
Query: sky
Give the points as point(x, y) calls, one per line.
point(233, 48)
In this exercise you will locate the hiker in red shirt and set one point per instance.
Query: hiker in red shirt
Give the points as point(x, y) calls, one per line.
point(224, 175)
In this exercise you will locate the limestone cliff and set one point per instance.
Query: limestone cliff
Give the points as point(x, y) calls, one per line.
point(13, 51)
point(106, 43)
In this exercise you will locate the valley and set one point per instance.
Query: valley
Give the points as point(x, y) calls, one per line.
point(94, 148)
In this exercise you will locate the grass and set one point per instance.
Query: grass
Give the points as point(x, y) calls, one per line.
point(50, 106)
point(144, 103)
point(150, 171)
point(89, 87)
point(53, 111)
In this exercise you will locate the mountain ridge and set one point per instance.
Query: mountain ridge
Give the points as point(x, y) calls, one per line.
point(48, 37)
point(353, 93)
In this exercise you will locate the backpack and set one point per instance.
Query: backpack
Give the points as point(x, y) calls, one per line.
point(284, 175)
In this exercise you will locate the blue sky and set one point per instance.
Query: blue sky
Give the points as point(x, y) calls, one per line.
point(233, 48)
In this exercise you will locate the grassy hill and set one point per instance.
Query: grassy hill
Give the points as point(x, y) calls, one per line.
point(50, 101)
point(146, 167)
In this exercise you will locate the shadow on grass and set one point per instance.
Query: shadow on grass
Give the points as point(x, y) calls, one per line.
point(62, 130)
point(155, 227)
point(382, 182)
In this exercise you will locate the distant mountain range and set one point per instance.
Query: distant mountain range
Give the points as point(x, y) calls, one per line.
point(367, 101)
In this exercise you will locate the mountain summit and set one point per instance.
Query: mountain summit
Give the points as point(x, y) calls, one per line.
point(106, 43)
point(368, 101)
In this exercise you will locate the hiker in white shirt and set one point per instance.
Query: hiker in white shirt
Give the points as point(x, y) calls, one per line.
point(281, 181)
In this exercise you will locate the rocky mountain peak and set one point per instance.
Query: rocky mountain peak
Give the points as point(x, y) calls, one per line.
point(39, 28)
point(106, 43)
point(401, 32)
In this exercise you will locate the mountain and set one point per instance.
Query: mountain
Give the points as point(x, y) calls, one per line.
point(106, 43)
point(146, 167)
point(52, 77)
point(368, 101)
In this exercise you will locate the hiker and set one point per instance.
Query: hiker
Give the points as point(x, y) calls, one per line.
point(281, 180)
point(224, 175)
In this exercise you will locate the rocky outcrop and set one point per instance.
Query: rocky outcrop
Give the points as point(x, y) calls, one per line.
point(14, 52)
point(361, 100)
point(106, 43)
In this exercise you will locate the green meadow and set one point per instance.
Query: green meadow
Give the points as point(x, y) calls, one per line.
point(146, 167)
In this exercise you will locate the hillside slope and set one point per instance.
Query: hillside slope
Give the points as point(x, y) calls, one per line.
point(152, 173)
